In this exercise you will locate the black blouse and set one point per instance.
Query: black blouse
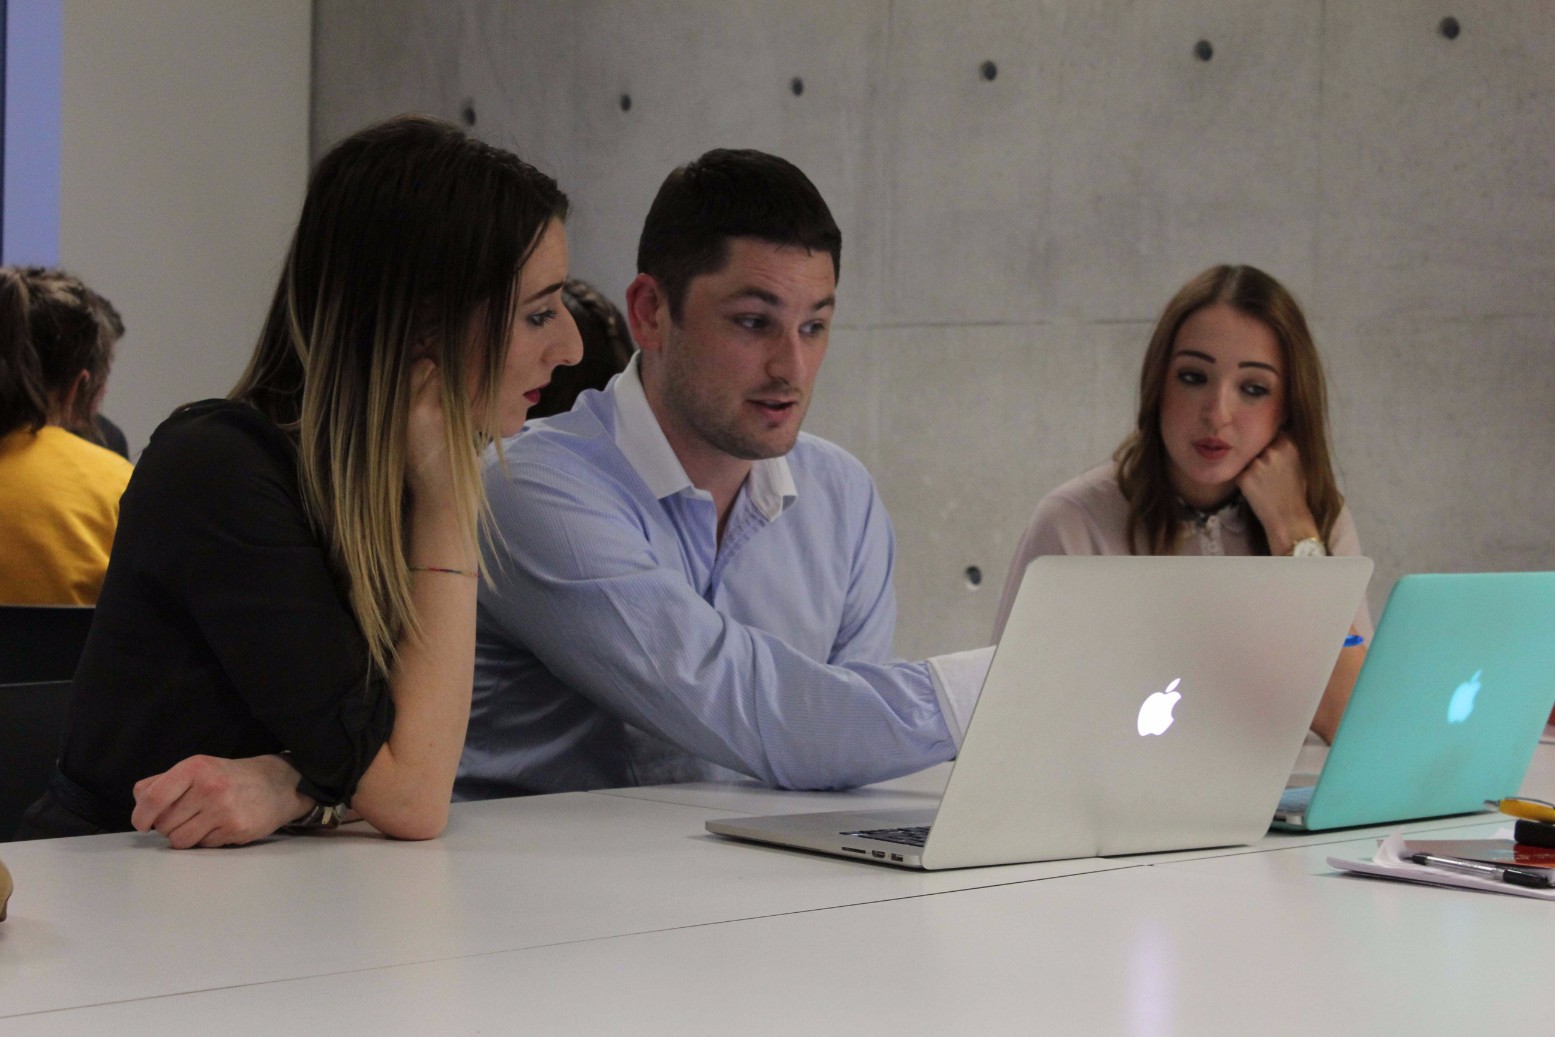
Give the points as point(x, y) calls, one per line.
point(221, 629)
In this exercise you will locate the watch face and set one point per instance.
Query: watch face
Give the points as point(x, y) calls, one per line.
point(1311, 547)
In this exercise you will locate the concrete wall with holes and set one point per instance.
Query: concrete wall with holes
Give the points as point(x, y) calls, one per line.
point(1022, 185)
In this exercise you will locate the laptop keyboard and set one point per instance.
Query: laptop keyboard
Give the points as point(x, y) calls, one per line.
point(1296, 800)
point(915, 836)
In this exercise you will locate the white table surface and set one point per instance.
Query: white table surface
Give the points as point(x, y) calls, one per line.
point(615, 911)
point(1268, 943)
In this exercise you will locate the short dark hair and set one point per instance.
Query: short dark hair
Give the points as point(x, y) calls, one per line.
point(730, 194)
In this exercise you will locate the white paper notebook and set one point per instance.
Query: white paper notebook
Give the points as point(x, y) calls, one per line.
point(1392, 862)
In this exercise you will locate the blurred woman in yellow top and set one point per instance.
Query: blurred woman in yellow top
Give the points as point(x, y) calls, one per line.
point(59, 489)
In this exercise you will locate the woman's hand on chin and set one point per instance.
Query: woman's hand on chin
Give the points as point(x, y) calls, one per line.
point(209, 801)
point(428, 470)
point(1276, 490)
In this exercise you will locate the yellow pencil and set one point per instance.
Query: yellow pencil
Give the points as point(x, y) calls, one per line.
point(1527, 809)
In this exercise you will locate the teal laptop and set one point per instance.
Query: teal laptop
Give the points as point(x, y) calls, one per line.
point(1448, 708)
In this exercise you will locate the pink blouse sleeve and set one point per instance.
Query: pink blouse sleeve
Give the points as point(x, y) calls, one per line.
point(1344, 540)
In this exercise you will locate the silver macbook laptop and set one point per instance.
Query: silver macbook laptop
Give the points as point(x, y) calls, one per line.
point(1448, 707)
point(1133, 705)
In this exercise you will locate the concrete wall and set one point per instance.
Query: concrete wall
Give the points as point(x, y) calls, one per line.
point(1008, 241)
point(184, 157)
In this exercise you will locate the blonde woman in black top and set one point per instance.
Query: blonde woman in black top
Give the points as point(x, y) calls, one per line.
point(287, 624)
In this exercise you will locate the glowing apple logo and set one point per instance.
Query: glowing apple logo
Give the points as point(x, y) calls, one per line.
point(1462, 703)
point(1155, 716)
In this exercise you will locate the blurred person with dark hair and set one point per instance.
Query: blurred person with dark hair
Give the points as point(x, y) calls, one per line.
point(607, 348)
point(104, 432)
point(60, 492)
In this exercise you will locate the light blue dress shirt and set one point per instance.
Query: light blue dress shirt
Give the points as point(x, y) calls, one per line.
point(623, 644)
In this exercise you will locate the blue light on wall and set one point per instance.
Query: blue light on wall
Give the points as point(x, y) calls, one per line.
point(29, 201)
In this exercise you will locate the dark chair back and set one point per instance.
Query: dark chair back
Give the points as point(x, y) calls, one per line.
point(42, 642)
point(32, 723)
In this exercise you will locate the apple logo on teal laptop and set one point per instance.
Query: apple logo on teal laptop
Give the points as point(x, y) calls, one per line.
point(1155, 716)
point(1462, 703)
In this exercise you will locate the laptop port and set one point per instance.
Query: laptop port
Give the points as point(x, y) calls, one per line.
point(854, 849)
point(896, 857)
point(878, 853)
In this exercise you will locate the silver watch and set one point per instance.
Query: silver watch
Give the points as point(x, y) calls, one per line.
point(321, 816)
point(1309, 547)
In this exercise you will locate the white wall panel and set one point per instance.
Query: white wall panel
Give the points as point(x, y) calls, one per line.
point(183, 159)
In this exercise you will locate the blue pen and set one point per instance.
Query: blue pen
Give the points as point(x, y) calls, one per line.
point(1354, 640)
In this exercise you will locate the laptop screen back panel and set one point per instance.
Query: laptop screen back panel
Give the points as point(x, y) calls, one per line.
point(1054, 764)
point(1450, 704)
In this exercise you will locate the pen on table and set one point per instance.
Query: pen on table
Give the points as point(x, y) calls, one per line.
point(1511, 876)
point(1527, 809)
point(1354, 641)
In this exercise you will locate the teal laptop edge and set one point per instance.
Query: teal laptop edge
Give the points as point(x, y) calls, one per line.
point(1449, 705)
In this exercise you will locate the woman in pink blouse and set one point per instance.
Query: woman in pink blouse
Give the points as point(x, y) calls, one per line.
point(1229, 454)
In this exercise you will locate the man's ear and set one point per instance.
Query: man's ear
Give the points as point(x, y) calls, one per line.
point(647, 312)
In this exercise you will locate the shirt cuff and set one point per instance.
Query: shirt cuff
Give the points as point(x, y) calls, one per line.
point(958, 680)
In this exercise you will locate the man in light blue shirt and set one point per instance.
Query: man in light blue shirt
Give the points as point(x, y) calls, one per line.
point(688, 587)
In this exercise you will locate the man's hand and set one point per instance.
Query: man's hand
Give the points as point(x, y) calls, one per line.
point(208, 801)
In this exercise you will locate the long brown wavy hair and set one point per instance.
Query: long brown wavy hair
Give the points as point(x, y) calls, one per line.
point(1154, 516)
point(410, 244)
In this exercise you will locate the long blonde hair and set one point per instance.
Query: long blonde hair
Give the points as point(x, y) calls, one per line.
point(410, 243)
point(1154, 517)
